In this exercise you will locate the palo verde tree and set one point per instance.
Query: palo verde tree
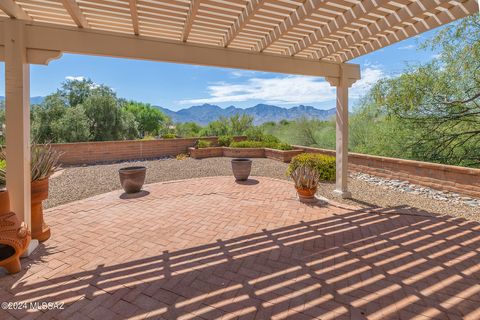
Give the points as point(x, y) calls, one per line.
point(438, 103)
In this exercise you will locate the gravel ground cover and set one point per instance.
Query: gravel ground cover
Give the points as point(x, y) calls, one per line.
point(75, 183)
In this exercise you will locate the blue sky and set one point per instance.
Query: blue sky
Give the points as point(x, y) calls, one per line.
point(177, 86)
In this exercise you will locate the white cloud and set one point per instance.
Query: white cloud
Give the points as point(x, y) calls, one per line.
point(75, 78)
point(370, 75)
point(407, 47)
point(285, 90)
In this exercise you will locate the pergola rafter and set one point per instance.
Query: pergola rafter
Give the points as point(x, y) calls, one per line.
point(192, 12)
point(243, 19)
point(77, 16)
point(356, 13)
point(134, 15)
point(302, 13)
point(13, 10)
point(392, 23)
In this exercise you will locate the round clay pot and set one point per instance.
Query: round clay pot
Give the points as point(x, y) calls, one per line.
point(40, 230)
point(241, 168)
point(14, 236)
point(306, 195)
point(132, 178)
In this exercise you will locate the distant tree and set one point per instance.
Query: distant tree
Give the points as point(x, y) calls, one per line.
point(188, 129)
point(238, 124)
point(106, 119)
point(150, 120)
point(73, 126)
point(43, 117)
point(75, 92)
point(440, 101)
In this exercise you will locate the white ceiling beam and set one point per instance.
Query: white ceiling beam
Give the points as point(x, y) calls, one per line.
point(13, 10)
point(459, 11)
point(74, 11)
point(65, 39)
point(390, 22)
point(243, 19)
point(290, 22)
point(134, 16)
point(192, 13)
point(357, 12)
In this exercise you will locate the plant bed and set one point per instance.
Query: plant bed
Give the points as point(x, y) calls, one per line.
point(281, 155)
point(205, 152)
point(244, 152)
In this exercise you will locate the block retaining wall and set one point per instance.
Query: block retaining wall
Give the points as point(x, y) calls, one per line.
point(437, 176)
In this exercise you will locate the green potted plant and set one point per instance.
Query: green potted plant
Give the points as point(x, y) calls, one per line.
point(44, 161)
point(307, 170)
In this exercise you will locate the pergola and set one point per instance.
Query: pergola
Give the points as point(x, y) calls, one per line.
point(304, 37)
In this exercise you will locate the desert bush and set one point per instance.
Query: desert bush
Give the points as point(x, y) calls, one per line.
point(260, 144)
point(169, 136)
point(182, 156)
point(203, 144)
point(324, 165)
point(225, 141)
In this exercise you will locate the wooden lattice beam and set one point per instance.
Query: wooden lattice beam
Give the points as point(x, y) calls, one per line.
point(294, 19)
point(74, 11)
point(192, 12)
point(134, 16)
point(13, 10)
point(458, 11)
point(247, 14)
point(393, 21)
point(356, 13)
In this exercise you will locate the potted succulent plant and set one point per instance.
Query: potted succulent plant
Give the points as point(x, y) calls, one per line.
point(307, 170)
point(44, 161)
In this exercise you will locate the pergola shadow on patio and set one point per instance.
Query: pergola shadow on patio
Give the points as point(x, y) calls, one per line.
point(218, 250)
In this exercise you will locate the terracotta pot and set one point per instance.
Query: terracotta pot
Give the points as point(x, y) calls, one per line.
point(132, 178)
point(306, 195)
point(40, 230)
point(14, 236)
point(241, 168)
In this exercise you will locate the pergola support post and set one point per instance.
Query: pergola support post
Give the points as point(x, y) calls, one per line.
point(341, 119)
point(342, 84)
point(17, 102)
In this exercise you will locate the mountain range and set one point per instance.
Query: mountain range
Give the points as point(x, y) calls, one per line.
point(206, 113)
point(33, 100)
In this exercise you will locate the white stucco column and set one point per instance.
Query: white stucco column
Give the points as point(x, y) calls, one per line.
point(341, 119)
point(342, 84)
point(17, 102)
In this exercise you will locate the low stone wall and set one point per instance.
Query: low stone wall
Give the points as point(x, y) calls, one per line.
point(280, 155)
point(244, 152)
point(97, 152)
point(437, 176)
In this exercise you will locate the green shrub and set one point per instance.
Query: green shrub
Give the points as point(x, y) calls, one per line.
point(169, 136)
point(254, 134)
point(203, 144)
point(261, 144)
point(325, 165)
point(283, 146)
point(148, 138)
point(225, 141)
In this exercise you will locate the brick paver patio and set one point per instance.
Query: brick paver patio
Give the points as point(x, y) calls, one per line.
point(213, 249)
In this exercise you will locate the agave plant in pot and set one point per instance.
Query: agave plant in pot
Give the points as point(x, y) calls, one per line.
point(44, 161)
point(307, 170)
